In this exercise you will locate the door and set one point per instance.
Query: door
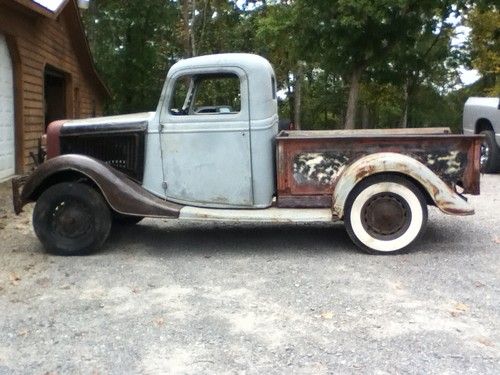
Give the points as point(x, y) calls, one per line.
point(54, 95)
point(205, 139)
point(7, 149)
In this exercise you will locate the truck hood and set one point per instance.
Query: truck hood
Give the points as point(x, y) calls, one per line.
point(108, 124)
point(490, 102)
point(111, 120)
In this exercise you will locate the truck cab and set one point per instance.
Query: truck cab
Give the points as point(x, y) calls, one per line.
point(216, 123)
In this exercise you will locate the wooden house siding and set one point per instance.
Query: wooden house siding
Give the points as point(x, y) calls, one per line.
point(36, 42)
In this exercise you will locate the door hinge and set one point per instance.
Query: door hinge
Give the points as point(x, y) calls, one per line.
point(164, 185)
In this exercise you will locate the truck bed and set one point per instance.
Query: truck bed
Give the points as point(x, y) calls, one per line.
point(309, 162)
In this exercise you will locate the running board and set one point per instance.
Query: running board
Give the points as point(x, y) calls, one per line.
point(268, 215)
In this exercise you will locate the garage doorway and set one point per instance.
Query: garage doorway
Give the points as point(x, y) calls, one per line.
point(7, 139)
point(54, 95)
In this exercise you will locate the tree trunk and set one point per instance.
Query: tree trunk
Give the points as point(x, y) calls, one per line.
point(191, 28)
point(289, 96)
point(352, 103)
point(186, 42)
point(298, 95)
point(188, 14)
point(326, 102)
point(365, 117)
point(404, 118)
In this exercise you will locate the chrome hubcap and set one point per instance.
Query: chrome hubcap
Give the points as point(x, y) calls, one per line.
point(485, 153)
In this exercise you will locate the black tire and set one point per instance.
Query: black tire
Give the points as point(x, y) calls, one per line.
point(385, 214)
point(71, 219)
point(490, 153)
point(125, 220)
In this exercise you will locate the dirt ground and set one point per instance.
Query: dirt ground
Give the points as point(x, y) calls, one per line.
point(183, 298)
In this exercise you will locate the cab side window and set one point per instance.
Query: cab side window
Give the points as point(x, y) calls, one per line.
point(206, 94)
point(180, 96)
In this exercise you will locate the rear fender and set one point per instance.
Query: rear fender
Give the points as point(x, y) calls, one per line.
point(122, 194)
point(447, 200)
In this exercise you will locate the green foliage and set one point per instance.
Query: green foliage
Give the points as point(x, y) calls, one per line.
point(402, 50)
point(485, 46)
point(133, 48)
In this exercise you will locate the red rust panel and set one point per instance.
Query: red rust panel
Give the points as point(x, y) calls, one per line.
point(53, 141)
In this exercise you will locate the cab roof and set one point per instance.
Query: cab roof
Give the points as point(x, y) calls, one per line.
point(246, 61)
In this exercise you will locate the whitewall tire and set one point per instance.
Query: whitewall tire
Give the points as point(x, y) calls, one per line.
point(385, 214)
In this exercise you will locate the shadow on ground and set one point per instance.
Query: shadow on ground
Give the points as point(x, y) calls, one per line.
point(162, 238)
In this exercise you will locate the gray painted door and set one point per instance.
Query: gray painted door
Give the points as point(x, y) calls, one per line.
point(206, 150)
point(7, 151)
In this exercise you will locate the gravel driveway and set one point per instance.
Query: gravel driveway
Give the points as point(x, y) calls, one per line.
point(174, 298)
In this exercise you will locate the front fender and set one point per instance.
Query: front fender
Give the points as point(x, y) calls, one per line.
point(447, 200)
point(122, 194)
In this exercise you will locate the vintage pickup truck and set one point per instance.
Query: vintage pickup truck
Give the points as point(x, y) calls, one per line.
point(211, 151)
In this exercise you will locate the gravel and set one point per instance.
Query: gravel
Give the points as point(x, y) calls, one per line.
point(171, 297)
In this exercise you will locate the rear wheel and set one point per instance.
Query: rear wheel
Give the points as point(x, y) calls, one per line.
point(71, 219)
point(490, 153)
point(385, 214)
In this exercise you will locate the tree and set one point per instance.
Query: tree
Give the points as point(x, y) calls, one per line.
point(133, 44)
point(427, 58)
point(351, 36)
point(484, 43)
point(275, 40)
point(390, 60)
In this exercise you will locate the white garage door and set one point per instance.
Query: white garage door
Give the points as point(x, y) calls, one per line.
point(6, 112)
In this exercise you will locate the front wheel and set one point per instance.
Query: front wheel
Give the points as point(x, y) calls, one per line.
point(385, 214)
point(71, 219)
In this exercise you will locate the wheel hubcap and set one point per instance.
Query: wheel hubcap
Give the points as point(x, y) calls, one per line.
point(71, 219)
point(485, 153)
point(386, 216)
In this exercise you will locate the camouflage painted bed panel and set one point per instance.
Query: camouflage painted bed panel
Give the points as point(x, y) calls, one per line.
point(323, 167)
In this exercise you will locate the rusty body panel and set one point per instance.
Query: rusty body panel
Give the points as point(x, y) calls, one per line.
point(446, 199)
point(309, 164)
point(53, 141)
point(116, 140)
point(122, 194)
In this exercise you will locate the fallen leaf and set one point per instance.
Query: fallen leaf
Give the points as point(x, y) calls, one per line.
point(461, 307)
point(458, 309)
point(159, 322)
point(486, 341)
point(14, 278)
point(327, 315)
point(23, 333)
point(479, 284)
